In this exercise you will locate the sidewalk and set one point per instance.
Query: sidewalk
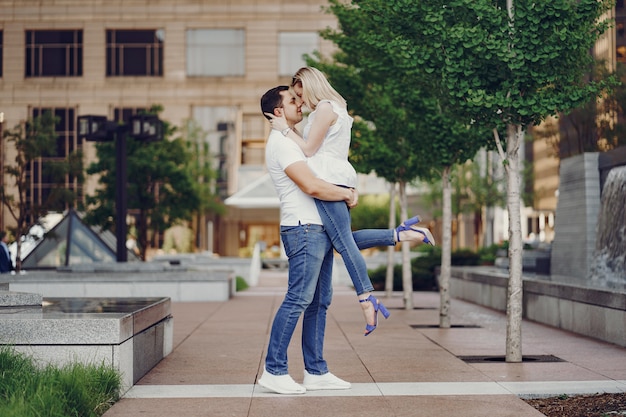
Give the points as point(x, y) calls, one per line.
point(407, 367)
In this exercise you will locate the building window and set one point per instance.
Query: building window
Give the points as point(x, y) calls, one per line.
point(215, 52)
point(41, 182)
point(621, 53)
point(291, 47)
point(54, 53)
point(134, 53)
point(253, 142)
point(219, 125)
point(123, 114)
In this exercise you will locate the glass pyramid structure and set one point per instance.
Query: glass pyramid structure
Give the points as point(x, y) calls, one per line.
point(64, 240)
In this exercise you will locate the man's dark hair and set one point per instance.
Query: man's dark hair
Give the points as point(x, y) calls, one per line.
point(272, 99)
point(2, 234)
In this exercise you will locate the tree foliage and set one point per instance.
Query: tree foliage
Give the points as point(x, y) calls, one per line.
point(512, 66)
point(161, 188)
point(32, 140)
point(417, 131)
point(497, 64)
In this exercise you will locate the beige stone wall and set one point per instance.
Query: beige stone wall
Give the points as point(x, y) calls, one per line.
point(94, 93)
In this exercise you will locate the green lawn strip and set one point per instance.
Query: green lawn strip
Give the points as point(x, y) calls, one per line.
point(72, 390)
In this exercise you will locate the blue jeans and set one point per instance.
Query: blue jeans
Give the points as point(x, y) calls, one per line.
point(309, 290)
point(336, 219)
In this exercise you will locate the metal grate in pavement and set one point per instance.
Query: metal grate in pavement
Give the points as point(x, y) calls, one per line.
point(453, 326)
point(495, 359)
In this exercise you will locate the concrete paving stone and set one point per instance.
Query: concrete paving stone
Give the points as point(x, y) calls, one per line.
point(398, 371)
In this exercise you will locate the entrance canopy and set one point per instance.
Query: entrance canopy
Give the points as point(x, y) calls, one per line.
point(260, 193)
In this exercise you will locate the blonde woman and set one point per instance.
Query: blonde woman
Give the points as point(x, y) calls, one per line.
point(326, 142)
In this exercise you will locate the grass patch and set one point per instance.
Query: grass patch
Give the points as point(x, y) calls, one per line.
point(71, 390)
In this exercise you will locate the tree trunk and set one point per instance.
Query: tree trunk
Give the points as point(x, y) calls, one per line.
point(515, 136)
point(19, 231)
point(478, 228)
point(446, 252)
point(142, 234)
point(391, 249)
point(489, 210)
point(407, 278)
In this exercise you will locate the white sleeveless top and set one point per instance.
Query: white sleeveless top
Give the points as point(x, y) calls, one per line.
point(330, 162)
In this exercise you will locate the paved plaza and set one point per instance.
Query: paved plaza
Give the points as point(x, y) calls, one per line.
point(407, 367)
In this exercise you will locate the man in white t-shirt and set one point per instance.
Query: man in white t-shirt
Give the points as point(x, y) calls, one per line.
point(310, 254)
point(309, 250)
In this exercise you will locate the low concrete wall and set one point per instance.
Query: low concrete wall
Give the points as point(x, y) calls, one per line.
point(597, 313)
point(92, 331)
point(129, 280)
point(242, 267)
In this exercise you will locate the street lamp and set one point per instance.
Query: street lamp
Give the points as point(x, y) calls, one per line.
point(142, 127)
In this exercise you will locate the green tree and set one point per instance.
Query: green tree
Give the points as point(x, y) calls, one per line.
point(509, 67)
point(417, 132)
point(161, 188)
point(496, 66)
point(512, 67)
point(34, 139)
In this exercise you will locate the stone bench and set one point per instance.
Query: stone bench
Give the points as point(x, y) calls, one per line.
point(129, 334)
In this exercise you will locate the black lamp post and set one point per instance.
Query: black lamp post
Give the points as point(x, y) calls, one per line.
point(142, 127)
point(1, 164)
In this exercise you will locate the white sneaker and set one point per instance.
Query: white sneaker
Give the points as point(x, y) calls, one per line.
point(326, 381)
point(281, 384)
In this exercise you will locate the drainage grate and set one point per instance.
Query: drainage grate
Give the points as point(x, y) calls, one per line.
point(496, 359)
point(454, 326)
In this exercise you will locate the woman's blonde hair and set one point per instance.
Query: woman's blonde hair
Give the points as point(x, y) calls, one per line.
point(315, 87)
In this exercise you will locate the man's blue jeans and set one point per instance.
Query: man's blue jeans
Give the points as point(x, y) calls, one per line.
point(309, 290)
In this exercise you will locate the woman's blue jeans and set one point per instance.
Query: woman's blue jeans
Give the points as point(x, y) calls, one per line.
point(309, 290)
point(336, 219)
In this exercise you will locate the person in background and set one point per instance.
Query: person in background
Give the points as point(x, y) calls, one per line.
point(6, 264)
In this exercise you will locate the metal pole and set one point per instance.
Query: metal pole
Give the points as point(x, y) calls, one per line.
point(120, 195)
point(1, 168)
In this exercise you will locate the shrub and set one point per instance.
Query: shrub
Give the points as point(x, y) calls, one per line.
point(241, 284)
point(371, 213)
point(464, 257)
point(423, 268)
point(489, 253)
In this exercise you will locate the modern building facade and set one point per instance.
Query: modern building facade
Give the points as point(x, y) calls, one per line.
point(205, 61)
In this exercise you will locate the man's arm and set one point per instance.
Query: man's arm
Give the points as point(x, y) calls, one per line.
point(301, 174)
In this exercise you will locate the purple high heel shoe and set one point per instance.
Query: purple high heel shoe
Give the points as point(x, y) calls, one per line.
point(377, 306)
point(408, 225)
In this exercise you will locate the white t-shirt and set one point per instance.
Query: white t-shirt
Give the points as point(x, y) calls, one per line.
point(295, 206)
point(330, 162)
